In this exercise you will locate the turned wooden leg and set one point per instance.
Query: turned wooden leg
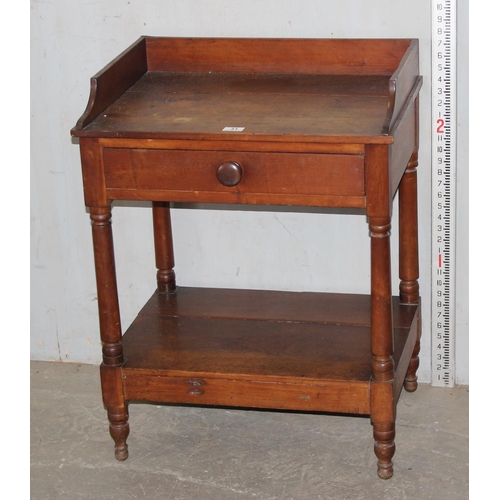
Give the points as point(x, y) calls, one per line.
point(384, 448)
point(164, 248)
point(408, 255)
point(382, 339)
point(117, 408)
point(109, 322)
point(119, 430)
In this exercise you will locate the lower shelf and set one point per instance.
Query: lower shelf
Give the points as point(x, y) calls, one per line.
point(266, 349)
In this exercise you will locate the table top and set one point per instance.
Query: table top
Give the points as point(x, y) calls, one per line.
point(349, 91)
point(194, 104)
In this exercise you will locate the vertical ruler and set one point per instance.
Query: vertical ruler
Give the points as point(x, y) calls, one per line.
point(443, 191)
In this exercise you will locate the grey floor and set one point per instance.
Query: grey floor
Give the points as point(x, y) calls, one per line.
point(205, 453)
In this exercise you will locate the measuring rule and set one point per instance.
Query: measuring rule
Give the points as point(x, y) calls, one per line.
point(443, 191)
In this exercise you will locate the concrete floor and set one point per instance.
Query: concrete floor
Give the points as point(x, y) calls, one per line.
point(205, 453)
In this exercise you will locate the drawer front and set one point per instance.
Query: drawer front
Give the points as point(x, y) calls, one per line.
point(309, 395)
point(234, 177)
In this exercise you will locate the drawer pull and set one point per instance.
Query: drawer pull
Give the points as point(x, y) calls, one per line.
point(229, 173)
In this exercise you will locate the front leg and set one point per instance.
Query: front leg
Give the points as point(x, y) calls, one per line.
point(110, 327)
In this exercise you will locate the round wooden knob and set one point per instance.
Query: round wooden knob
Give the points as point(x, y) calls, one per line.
point(229, 173)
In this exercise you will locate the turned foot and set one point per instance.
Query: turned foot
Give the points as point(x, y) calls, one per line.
point(410, 383)
point(384, 449)
point(119, 430)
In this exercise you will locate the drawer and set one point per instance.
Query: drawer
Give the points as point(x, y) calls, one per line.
point(234, 177)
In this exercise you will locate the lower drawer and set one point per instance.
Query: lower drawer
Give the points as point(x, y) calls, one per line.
point(308, 395)
point(234, 177)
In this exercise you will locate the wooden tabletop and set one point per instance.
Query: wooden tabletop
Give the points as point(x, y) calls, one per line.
point(207, 104)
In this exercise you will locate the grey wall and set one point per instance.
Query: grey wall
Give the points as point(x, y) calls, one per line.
point(72, 40)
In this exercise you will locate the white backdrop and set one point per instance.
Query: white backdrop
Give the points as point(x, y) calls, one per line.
point(72, 40)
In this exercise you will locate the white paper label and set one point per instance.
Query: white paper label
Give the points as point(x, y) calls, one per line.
point(233, 129)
